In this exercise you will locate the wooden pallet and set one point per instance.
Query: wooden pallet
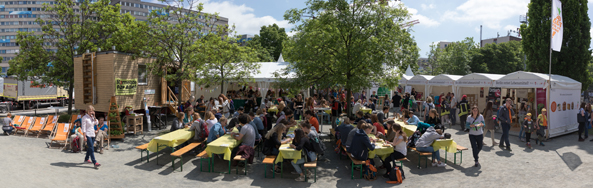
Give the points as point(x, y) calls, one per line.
point(117, 125)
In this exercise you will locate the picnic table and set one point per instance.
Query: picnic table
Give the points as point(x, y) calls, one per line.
point(380, 150)
point(171, 139)
point(366, 110)
point(273, 109)
point(320, 110)
point(286, 152)
point(448, 145)
point(223, 145)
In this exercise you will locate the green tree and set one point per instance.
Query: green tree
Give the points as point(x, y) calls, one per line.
point(70, 27)
point(225, 60)
point(500, 58)
point(433, 56)
point(271, 38)
point(350, 44)
point(171, 36)
point(456, 57)
point(573, 59)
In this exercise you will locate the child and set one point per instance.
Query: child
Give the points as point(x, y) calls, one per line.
point(528, 127)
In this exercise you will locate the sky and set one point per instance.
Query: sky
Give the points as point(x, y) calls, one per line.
point(440, 20)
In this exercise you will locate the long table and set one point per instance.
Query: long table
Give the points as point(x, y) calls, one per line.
point(169, 140)
point(223, 145)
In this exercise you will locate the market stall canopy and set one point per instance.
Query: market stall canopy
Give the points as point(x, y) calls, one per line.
point(407, 76)
point(267, 70)
point(521, 79)
point(419, 80)
point(478, 80)
point(443, 80)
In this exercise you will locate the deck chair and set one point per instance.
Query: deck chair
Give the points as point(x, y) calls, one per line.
point(18, 120)
point(49, 126)
point(37, 126)
point(74, 118)
point(60, 136)
point(25, 126)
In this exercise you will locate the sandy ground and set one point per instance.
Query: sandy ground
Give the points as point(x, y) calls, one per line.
point(28, 162)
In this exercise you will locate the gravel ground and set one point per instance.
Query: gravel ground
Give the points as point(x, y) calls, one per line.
point(28, 162)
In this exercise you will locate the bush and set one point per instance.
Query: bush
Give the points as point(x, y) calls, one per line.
point(64, 118)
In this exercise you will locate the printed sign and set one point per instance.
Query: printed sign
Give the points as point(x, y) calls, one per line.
point(66, 125)
point(520, 83)
point(563, 117)
point(149, 92)
point(126, 86)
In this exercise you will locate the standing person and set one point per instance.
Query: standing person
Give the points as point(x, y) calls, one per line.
point(88, 123)
point(7, 127)
point(298, 106)
point(528, 126)
point(335, 106)
point(363, 96)
point(452, 115)
point(582, 120)
point(226, 105)
point(522, 114)
point(489, 121)
point(374, 97)
point(542, 122)
point(396, 100)
point(505, 117)
point(588, 124)
point(464, 111)
point(386, 101)
point(413, 92)
point(428, 105)
point(476, 132)
point(100, 131)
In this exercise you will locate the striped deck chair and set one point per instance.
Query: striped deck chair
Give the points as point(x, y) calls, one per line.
point(49, 126)
point(25, 126)
point(37, 126)
point(60, 136)
point(18, 120)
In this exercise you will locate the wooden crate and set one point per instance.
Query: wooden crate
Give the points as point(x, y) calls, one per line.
point(135, 123)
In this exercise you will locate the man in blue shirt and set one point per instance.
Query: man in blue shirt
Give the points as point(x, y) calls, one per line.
point(101, 133)
point(258, 126)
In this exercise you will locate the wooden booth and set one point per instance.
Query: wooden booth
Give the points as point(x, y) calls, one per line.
point(100, 75)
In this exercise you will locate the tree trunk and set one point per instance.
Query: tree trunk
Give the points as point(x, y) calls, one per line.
point(221, 81)
point(179, 84)
point(348, 102)
point(70, 96)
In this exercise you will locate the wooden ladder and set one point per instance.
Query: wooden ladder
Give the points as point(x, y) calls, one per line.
point(88, 77)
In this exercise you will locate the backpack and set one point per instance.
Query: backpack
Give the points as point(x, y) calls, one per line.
point(436, 100)
point(396, 176)
point(203, 131)
point(339, 108)
point(370, 172)
point(75, 145)
point(316, 146)
point(413, 139)
point(231, 107)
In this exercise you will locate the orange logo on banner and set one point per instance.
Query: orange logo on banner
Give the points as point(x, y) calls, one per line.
point(556, 24)
point(553, 106)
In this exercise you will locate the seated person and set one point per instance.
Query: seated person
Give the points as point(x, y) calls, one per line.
point(178, 122)
point(411, 118)
point(188, 119)
point(377, 126)
point(424, 144)
point(389, 135)
point(258, 124)
point(76, 133)
point(238, 112)
point(101, 133)
point(7, 127)
point(434, 119)
point(361, 143)
point(217, 113)
point(343, 130)
point(310, 116)
point(353, 132)
point(300, 142)
point(400, 149)
point(196, 126)
point(382, 115)
point(273, 141)
point(255, 128)
point(210, 119)
point(312, 134)
point(357, 107)
point(246, 136)
point(217, 130)
point(360, 116)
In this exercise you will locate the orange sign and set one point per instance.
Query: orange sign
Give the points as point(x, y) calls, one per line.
point(553, 106)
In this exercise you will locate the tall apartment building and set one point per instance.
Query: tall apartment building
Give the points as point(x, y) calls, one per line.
point(21, 15)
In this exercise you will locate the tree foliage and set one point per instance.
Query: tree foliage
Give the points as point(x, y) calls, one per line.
point(456, 57)
point(225, 60)
point(350, 43)
point(573, 59)
point(72, 27)
point(271, 38)
point(502, 58)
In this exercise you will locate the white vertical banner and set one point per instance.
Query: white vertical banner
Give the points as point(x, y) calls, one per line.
point(563, 111)
point(557, 27)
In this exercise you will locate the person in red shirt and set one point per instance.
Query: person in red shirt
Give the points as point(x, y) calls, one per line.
point(312, 120)
point(335, 105)
point(378, 127)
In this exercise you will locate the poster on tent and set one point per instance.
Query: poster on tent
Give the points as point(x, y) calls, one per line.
point(408, 89)
point(563, 110)
point(541, 99)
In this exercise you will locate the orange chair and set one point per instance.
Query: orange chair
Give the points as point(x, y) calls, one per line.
point(60, 136)
point(37, 126)
point(49, 126)
point(18, 120)
point(25, 126)
point(74, 118)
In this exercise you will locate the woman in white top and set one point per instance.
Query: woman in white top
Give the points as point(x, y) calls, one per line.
point(475, 124)
point(226, 106)
point(399, 146)
point(210, 119)
point(211, 104)
point(88, 130)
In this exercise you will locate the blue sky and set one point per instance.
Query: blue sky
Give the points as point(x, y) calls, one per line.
point(440, 20)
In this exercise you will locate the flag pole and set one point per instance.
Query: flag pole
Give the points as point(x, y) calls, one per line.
point(548, 100)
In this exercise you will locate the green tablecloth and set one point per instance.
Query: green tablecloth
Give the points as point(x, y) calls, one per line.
point(171, 139)
point(223, 145)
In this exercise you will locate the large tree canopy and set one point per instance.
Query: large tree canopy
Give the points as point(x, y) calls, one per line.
point(351, 43)
point(573, 59)
point(271, 38)
point(502, 58)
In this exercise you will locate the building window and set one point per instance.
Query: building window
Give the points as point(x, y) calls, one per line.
point(142, 75)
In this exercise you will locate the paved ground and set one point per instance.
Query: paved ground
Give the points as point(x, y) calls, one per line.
point(27, 162)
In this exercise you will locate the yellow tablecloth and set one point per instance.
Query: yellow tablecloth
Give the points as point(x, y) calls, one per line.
point(171, 139)
point(366, 110)
point(380, 150)
point(445, 144)
point(273, 109)
point(223, 145)
point(286, 152)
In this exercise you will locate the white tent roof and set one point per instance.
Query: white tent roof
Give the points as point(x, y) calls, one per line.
point(443, 80)
point(478, 80)
point(419, 80)
point(409, 72)
point(267, 69)
point(522, 79)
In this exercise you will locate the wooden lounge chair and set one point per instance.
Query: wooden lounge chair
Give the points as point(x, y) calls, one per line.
point(25, 125)
point(18, 120)
point(60, 135)
point(37, 126)
point(49, 126)
point(74, 118)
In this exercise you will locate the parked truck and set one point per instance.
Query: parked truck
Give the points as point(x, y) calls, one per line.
point(27, 95)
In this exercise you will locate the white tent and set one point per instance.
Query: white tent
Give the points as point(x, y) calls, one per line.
point(407, 76)
point(562, 101)
point(419, 83)
point(476, 84)
point(442, 83)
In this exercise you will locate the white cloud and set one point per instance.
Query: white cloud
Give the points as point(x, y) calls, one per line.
point(242, 16)
point(425, 21)
point(489, 13)
point(426, 7)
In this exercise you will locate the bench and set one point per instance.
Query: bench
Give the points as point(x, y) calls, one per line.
point(269, 160)
point(401, 161)
point(143, 148)
point(422, 155)
point(355, 163)
point(460, 151)
point(179, 153)
point(240, 159)
point(312, 165)
point(204, 157)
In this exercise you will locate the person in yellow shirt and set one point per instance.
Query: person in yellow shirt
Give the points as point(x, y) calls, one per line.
point(542, 121)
